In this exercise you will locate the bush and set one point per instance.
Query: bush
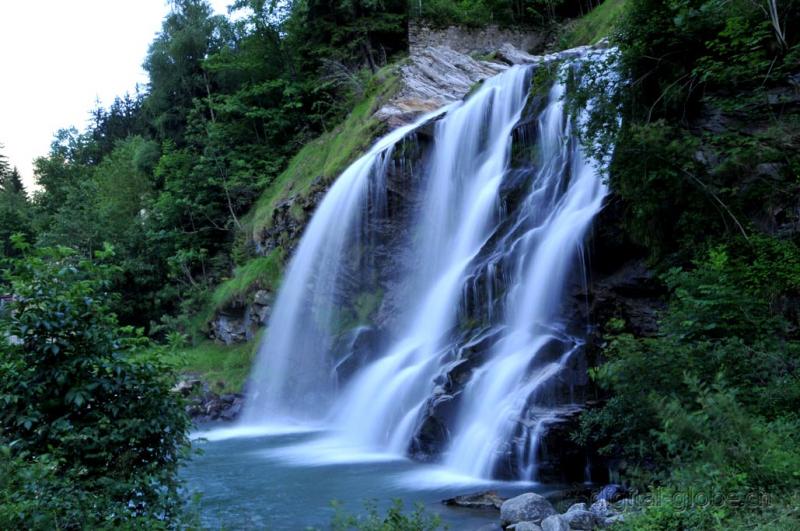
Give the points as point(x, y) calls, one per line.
point(394, 519)
point(94, 426)
point(709, 405)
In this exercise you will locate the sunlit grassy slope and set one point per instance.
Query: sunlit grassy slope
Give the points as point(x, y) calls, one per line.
point(594, 26)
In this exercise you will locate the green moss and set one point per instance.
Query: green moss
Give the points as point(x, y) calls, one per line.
point(224, 368)
point(589, 29)
point(366, 304)
point(322, 159)
point(259, 273)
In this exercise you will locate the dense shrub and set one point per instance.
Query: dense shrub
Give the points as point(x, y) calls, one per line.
point(92, 434)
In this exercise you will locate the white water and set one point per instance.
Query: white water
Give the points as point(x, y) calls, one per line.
point(492, 253)
point(292, 371)
point(471, 148)
point(501, 390)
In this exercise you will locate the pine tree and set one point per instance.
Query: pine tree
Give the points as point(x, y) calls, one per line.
point(4, 167)
point(11, 181)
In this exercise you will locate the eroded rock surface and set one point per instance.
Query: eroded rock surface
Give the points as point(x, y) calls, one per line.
point(528, 507)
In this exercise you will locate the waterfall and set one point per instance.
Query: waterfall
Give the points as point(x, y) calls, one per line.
point(469, 227)
point(293, 367)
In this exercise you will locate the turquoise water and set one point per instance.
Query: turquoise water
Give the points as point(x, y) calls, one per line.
point(288, 481)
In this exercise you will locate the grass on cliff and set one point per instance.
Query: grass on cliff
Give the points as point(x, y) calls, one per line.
point(225, 368)
point(263, 272)
point(592, 27)
point(321, 160)
point(325, 157)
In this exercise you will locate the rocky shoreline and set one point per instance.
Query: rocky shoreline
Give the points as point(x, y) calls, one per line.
point(534, 512)
point(204, 405)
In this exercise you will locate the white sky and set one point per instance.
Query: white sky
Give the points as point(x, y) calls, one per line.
point(57, 57)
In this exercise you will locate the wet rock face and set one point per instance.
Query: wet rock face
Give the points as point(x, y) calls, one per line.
point(204, 405)
point(211, 406)
point(240, 322)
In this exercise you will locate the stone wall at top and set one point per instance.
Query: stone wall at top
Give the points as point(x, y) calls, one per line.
point(472, 40)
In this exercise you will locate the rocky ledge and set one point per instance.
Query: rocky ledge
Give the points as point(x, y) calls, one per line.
point(436, 76)
point(204, 405)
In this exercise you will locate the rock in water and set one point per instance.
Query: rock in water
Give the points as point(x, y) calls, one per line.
point(479, 500)
point(555, 523)
point(529, 507)
point(490, 527)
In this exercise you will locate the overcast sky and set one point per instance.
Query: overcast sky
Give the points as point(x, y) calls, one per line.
point(57, 57)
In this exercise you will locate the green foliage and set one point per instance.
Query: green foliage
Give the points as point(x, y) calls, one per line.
point(33, 495)
point(259, 273)
point(477, 13)
point(350, 32)
point(16, 214)
point(95, 429)
point(224, 367)
point(322, 159)
point(395, 519)
point(709, 403)
point(595, 25)
point(695, 132)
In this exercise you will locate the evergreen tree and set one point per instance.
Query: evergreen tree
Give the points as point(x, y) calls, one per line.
point(11, 181)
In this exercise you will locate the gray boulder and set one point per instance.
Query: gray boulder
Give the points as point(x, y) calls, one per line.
point(581, 520)
point(529, 507)
point(577, 507)
point(555, 523)
point(524, 526)
point(611, 493)
point(602, 508)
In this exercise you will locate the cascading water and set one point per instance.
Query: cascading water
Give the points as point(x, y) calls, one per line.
point(564, 196)
point(469, 237)
point(471, 149)
point(293, 370)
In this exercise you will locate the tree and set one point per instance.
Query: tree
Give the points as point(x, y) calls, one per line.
point(15, 212)
point(4, 167)
point(12, 182)
point(75, 393)
point(175, 65)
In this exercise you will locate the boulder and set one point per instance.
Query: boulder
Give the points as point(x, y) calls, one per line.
point(611, 493)
point(479, 500)
point(524, 526)
point(555, 523)
point(602, 508)
point(514, 56)
point(581, 520)
point(210, 406)
point(490, 527)
point(577, 507)
point(529, 507)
